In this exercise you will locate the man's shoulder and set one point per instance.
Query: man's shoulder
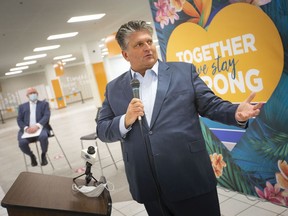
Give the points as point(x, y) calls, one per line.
point(119, 79)
point(42, 101)
point(24, 104)
point(177, 66)
point(169, 63)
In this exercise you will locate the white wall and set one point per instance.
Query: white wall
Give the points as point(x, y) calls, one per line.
point(42, 94)
point(76, 79)
point(115, 66)
point(13, 84)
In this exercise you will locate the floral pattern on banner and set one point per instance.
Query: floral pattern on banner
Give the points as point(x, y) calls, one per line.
point(218, 164)
point(167, 11)
point(278, 193)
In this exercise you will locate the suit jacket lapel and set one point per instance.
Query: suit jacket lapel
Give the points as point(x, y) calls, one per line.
point(27, 116)
point(125, 86)
point(38, 111)
point(164, 79)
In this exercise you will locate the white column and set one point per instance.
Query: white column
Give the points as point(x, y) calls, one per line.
point(92, 54)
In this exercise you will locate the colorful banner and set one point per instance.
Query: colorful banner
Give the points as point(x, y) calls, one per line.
point(237, 48)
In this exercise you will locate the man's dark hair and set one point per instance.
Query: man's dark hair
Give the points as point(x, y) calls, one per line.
point(128, 28)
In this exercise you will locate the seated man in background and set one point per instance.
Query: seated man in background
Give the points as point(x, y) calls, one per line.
point(33, 117)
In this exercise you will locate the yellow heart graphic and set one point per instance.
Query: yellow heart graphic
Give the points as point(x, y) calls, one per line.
point(240, 52)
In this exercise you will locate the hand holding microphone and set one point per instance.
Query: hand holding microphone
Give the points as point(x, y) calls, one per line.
point(135, 106)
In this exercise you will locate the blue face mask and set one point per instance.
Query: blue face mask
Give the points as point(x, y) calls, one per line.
point(33, 97)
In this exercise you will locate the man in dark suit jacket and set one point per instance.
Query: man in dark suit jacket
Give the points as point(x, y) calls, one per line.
point(33, 116)
point(166, 162)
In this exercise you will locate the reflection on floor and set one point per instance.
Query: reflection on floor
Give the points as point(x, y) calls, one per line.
point(77, 120)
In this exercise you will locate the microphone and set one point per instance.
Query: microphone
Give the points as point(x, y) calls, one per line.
point(135, 84)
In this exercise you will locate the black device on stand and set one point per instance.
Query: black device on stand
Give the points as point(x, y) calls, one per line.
point(89, 156)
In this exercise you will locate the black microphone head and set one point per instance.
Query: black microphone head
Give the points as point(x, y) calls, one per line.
point(135, 84)
point(91, 150)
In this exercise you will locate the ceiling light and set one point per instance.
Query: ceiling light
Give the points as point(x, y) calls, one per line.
point(59, 36)
point(26, 63)
point(19, 68)
point(46, 48)
point(62, 57)
point(86, 18)
point(69, 59)
point(12, 73)
point(35, 56)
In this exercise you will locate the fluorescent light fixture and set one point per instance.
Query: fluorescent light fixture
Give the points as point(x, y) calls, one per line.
point(86, 18)
point(13, 72)
point(104, 50)
point(46, 48)
point(59, 36)
point(35, 56)
point(26, 63)
point(19, 68)
point(69, 59)
point(62, 57)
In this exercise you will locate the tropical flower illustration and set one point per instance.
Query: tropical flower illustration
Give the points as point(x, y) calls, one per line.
point(254, 2)
point(218, 164)
point(278, 193)
point(282, 176)
point(273, 194)
point(167, 11)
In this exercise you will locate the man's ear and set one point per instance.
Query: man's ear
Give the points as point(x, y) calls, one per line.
point(125, 55)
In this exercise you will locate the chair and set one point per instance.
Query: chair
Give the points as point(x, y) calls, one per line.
point(51, 134)
point(94, 137)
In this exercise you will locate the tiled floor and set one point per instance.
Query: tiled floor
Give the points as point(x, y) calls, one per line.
point(77, 120)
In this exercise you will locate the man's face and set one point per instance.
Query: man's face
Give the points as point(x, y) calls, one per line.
point(32, 94)
point(140, 52)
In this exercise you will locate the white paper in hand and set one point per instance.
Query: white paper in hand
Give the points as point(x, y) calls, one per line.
point(28, 135)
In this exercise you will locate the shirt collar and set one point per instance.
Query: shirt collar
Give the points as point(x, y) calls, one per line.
point(32, 103)
point(154, 68)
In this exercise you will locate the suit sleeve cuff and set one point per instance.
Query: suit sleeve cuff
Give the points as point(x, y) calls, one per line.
point(242, 124)
point(39, 125)
point(122, 128)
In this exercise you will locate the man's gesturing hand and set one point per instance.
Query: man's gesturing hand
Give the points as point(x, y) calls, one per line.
point(247, 110)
